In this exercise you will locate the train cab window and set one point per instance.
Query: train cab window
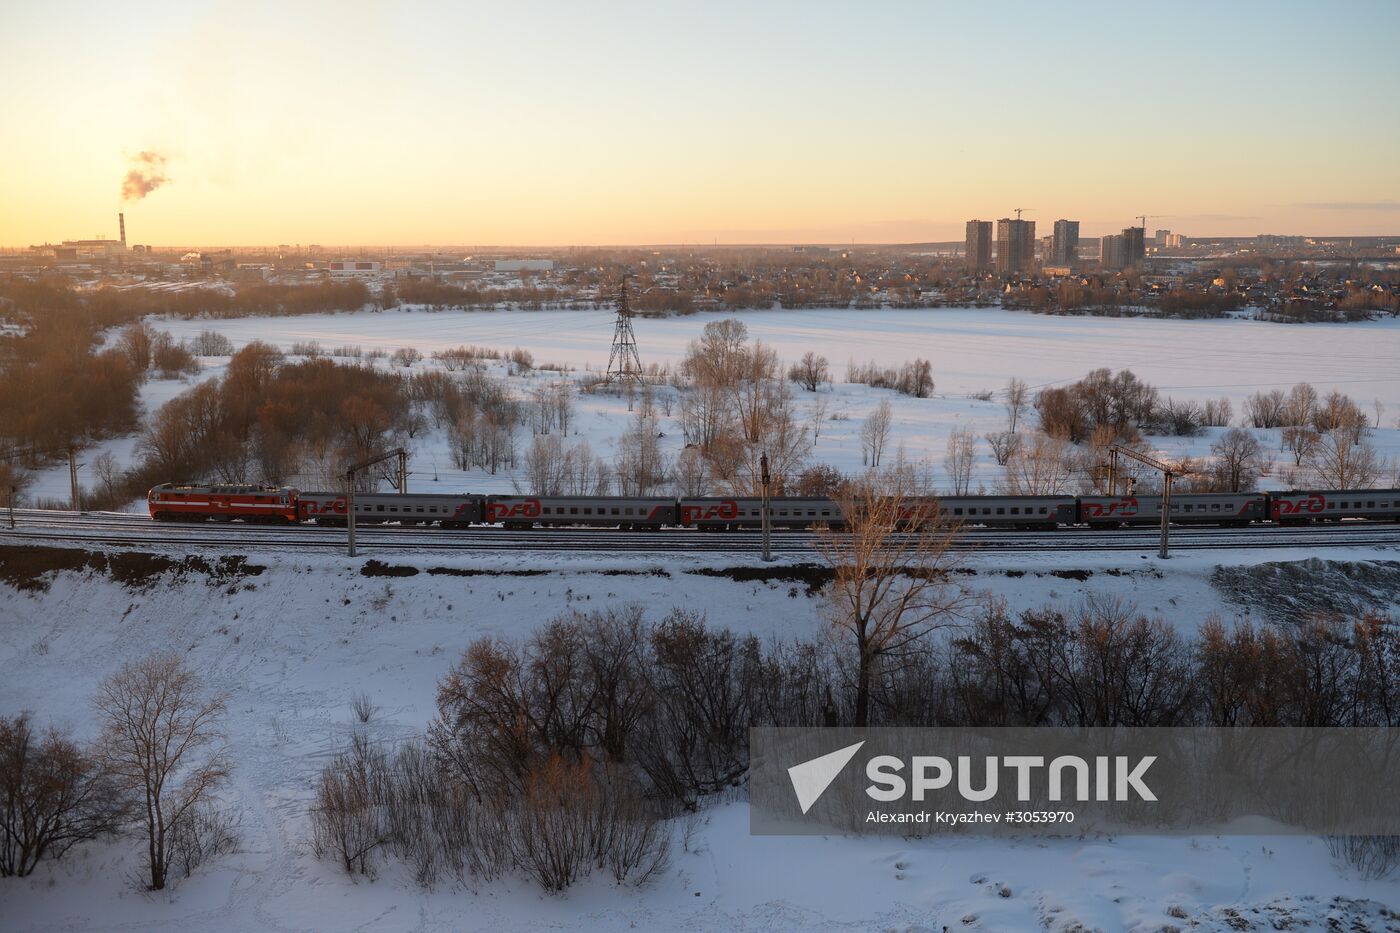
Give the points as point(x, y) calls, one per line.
point(573, 511)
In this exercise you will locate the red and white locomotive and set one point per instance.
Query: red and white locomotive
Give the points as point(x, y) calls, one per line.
point(190, 502)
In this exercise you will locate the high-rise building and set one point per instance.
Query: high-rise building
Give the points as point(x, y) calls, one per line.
point(1161, 237)
point(1175, 241)
point(1111, 252)
point(979, 245)
point(1064, 245)
point(1015, 245)
point(1134, 246)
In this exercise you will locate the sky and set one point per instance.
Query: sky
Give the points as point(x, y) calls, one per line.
point(602, 123)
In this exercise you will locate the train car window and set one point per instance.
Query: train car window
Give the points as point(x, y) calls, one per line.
point(627, 511)
point(380, 509)
point(957, 511)
point(420, 509)
point(1370, 505)
point(825, 513)
point(1015, 510)
point(615, 511)
point(573, 510)
point(1043, 511)
point(588, 511)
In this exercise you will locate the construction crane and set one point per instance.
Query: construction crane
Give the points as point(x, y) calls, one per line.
point(1145, 217)
point(1019, 209)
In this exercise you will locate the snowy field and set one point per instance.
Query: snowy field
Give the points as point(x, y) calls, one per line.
point(972, 351)
point(292, 645)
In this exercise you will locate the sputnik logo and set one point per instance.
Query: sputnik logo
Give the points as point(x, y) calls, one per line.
point(811, 778)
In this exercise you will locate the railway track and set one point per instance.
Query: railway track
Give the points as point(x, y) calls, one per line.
point(135, 530)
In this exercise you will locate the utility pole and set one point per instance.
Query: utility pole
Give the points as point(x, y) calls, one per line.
point(354, 468)
point(623, 363)
point(13, 490)
point(73, 478)
point(767, 518)
point(1168, 474)
point(350, 512)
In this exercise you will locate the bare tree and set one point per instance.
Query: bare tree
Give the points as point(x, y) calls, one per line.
point(811, 371)
point(1041, 467)
point(819, 412)
point(53, 795)
point(691, 474)
point(1336, 462)
point(1238, 460)
point(1339, 413)
point(161, 739)
point(641, 465)
point(1004, 445)
point(545, 466)
point(1265, 409)
point(348, 817)
point(1299, 442)
point(875, 434)
point(1217, 413)
point(959, 458)
point(1301, 405)
point(891, 579)
point(1018, 400)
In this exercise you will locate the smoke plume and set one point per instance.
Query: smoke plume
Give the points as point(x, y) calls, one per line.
point(146, 175)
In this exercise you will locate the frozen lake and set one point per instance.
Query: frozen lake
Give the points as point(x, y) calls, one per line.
point(971, 349)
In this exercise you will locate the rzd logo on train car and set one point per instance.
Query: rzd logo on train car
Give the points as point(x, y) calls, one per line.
point(525, 508)
point(1286, 507)
point(726, 511)
point(329, 507)
point(1128, 505)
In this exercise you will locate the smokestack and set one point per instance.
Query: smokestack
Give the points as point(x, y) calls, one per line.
point(121, 224)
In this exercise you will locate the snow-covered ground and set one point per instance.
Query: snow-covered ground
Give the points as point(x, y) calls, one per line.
point(293, 644)
point(973, 351)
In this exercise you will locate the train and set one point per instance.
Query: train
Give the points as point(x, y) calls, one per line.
point(285, 505)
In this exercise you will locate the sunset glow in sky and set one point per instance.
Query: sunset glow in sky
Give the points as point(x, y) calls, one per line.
point(621, 123)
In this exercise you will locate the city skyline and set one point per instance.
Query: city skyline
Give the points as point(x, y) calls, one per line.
point(630, 124)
